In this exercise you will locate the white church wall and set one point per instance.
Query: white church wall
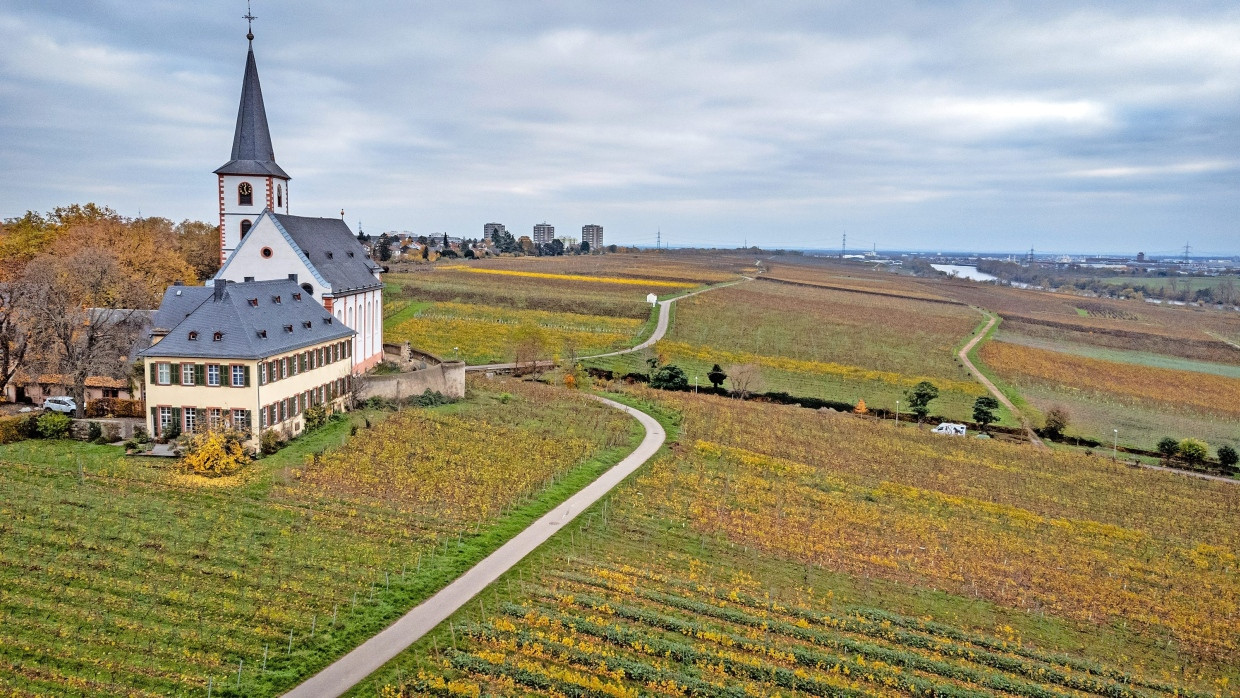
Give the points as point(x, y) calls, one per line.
point(249, 260)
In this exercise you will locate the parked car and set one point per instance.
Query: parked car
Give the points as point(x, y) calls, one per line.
point(60, 403)
point(949, 429)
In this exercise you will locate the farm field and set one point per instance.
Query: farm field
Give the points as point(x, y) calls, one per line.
point(824, 343)
point(781, 550)
point(1138, 358)
point(121, 577)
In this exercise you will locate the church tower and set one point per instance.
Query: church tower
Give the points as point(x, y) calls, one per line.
point(251, 181)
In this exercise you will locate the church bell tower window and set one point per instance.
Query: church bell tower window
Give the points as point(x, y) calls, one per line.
point(245, 226)
point(279, 196)
point(245, 194)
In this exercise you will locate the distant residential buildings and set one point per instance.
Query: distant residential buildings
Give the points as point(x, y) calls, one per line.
point(543, 233)
point(491, 229)
point(593, 235)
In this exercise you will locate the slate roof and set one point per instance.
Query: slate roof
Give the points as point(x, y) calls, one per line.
point(328, 243)
point(253, 325)
point(252, 153)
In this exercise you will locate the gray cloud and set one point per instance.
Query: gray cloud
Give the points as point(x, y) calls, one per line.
point(1064, 126)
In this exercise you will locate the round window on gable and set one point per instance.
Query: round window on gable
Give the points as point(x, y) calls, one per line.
point(245, 226)
point(266, 252)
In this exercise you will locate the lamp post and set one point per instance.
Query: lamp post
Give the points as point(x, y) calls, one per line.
point(695, 385)
point(897, 411)
point(1115, 445)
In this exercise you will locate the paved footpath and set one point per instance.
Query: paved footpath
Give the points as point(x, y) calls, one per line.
point(355, 666)
point(660, 330)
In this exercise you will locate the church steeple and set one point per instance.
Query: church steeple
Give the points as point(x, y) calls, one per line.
point(250, 182)
point(252, 152)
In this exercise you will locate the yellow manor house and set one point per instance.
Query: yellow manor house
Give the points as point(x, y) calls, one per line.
point(251, 355)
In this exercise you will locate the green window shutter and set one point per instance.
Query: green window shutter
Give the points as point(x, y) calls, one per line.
point(174, 371)
point(154, 421)
point(176, 418)
point(154, 372)
point(247, 376)
point(200, 374)
point(249, 421)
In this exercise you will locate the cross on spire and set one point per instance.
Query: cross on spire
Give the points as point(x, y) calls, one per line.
point(249, 19)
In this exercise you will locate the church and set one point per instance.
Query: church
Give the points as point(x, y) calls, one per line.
point(294, 314)
point(261, 240)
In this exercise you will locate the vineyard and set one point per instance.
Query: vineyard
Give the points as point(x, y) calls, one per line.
point(824, 343)
point(781, 550)
point(489, 334)
point(121, 578)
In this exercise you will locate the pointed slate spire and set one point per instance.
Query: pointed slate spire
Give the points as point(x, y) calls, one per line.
point(252, 153)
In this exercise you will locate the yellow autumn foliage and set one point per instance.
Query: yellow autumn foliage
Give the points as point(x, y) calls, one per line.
point(573, 277)
point(215, 453)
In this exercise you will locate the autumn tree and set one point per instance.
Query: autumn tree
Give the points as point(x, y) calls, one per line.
point(1194, 451)
point(199, 244)
point(919, 398)
point(1168, 447)
point(80, 310)
point(1055, 422)
point(530, 347)
point(716, 376)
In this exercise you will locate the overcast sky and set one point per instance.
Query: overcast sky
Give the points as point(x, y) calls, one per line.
point(1063, 126)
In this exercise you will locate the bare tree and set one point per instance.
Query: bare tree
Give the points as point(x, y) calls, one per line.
point(14, 330)
point(745, 378)
point(78, 314)
point(530, 349)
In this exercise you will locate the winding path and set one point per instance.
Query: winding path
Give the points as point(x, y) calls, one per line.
point(994, 390)
point(355, 666)
point(660, 330)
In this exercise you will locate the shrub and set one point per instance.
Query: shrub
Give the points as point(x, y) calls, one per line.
point(428, 398)
point(669, 377)
point(215, 453)
point(270, 441)
point(11, 430)
point(115, 407)
point(1168, 447)
point(1228, 456)
point(28, 426)
point(1194, 451)
point(141, 436)
point(94, 432)
point(54, 425)
point(316, 417)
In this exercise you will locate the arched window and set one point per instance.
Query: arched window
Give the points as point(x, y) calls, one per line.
point(308, 289)
point(245, 226)
point(279, 196)
point(245, 194)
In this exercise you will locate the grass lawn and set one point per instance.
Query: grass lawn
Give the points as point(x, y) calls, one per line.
point(775, 549)
point(121, 577)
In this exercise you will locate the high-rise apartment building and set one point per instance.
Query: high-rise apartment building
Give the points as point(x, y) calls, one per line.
point(592, 234)
point(492, 228)
point(543, 233)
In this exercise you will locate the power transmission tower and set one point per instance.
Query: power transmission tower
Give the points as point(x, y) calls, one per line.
point(1030, 256)
point(658, 239)
point(1187, 249)
point(844, 246)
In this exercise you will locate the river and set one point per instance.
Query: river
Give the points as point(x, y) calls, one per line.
point(963, 272)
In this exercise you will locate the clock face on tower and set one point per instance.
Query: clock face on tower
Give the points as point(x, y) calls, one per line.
point(245, 194)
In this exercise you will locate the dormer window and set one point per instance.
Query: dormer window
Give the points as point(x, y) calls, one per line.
point(350, 254)
point(217, 336)
point(307, 324)
point(288, 328)
point(193, 336)
point(262, 334)
point(330, 255)
point(275, 299)
point(254, 302)
point(296, 296)
point(327, 320)
point(245, 194)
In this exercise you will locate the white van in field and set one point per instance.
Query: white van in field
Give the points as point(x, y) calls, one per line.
point(949, 429)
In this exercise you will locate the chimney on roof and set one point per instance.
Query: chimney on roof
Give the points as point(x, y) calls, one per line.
point(220, 285)
point(292, 277)
point(248, 279)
